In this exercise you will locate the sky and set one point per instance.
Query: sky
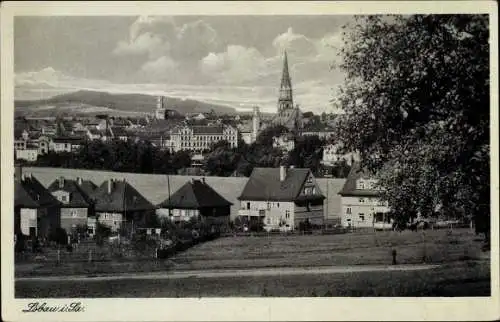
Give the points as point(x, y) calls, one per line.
point(231, 60)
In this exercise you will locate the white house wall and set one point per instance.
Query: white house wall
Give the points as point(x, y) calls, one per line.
point(28, 218)
point(359, 211)
point(111, 220)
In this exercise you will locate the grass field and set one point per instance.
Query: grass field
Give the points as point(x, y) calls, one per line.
point(358, 248)
point(463, 271)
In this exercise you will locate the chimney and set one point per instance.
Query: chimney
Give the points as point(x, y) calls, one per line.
point(110, 185)
point(79, 181)
point(61, 182)
point(282, 173)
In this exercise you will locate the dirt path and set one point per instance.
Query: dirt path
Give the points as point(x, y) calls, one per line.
point(233, 272)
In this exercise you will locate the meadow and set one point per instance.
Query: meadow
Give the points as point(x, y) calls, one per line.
point(355, 248)
point(463, 268)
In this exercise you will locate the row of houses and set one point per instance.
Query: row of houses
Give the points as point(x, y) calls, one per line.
point(279, 198)
point(116, 204)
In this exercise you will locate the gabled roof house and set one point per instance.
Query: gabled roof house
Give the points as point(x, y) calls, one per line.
point(282, 197)
point(117, 202)
point(41, 220)
point(196, 199)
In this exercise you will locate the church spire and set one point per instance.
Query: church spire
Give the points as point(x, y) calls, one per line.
point(285, 100)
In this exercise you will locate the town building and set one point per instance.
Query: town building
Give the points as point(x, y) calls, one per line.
point(118, 204)
point(333, 154)
point(284, 142)
point(281, 198)
point(197, 200)
point(246, 133)
point(76, 204)
point(29, 153)
point(119, 133)
point(323, 131)
point(362, 206)
point(200, 138)
point(93, 134)
point(66, 144)
point(44, 144)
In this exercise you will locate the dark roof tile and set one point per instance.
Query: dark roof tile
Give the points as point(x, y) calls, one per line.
point(78, 197)
point(123, 197)
point(22, 198)
point(195, 195)
point(265, 184)
point(349, 188)
point(38, 192)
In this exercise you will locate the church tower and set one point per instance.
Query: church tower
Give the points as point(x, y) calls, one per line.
point(285, 101)
point(160, 109)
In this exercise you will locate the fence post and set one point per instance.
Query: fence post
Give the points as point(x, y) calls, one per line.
point(58, 256)
point(90, 255)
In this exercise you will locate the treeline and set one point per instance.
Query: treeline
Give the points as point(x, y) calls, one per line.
point(220, 160)
point(120, 156)
point(307, 153)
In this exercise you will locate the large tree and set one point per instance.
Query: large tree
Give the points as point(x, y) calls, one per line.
point(416, 102)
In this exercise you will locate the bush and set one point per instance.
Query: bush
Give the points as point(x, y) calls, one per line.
point(80, 231)
point(256, 227)
point(101, 232)
point(59, 235)
point(20, 245)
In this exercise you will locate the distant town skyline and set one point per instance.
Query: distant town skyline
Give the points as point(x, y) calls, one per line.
point(228, 60)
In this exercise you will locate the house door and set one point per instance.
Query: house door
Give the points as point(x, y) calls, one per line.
point(32, 231)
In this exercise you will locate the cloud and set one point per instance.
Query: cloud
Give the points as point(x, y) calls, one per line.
point(160, 25)
point(49, 77)
point(295, 44)
point(161, 65)
point(168, 48)
point(237, 64)
point(146, 43)
point(194, 41)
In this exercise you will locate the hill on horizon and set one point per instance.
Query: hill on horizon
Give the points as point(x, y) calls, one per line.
point(127, 103)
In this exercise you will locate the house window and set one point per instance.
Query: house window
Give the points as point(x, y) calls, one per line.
point(268, 206)
point(361, 200)
point(268, 221)
point(348, 211)
point(362, 217)
point(309, 180)
point(63, 198)
point(278, 205)
point(287, 214)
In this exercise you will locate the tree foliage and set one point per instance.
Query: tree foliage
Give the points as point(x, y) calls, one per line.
point(416, 104)
point(121, 156)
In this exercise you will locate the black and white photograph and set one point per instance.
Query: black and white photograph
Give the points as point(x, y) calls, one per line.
point(158, 155)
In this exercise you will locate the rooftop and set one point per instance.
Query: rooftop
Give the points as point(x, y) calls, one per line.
point(38, 192)
point(265, 184)
point(350, 189)
point(122, 197)
point(195, 194)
